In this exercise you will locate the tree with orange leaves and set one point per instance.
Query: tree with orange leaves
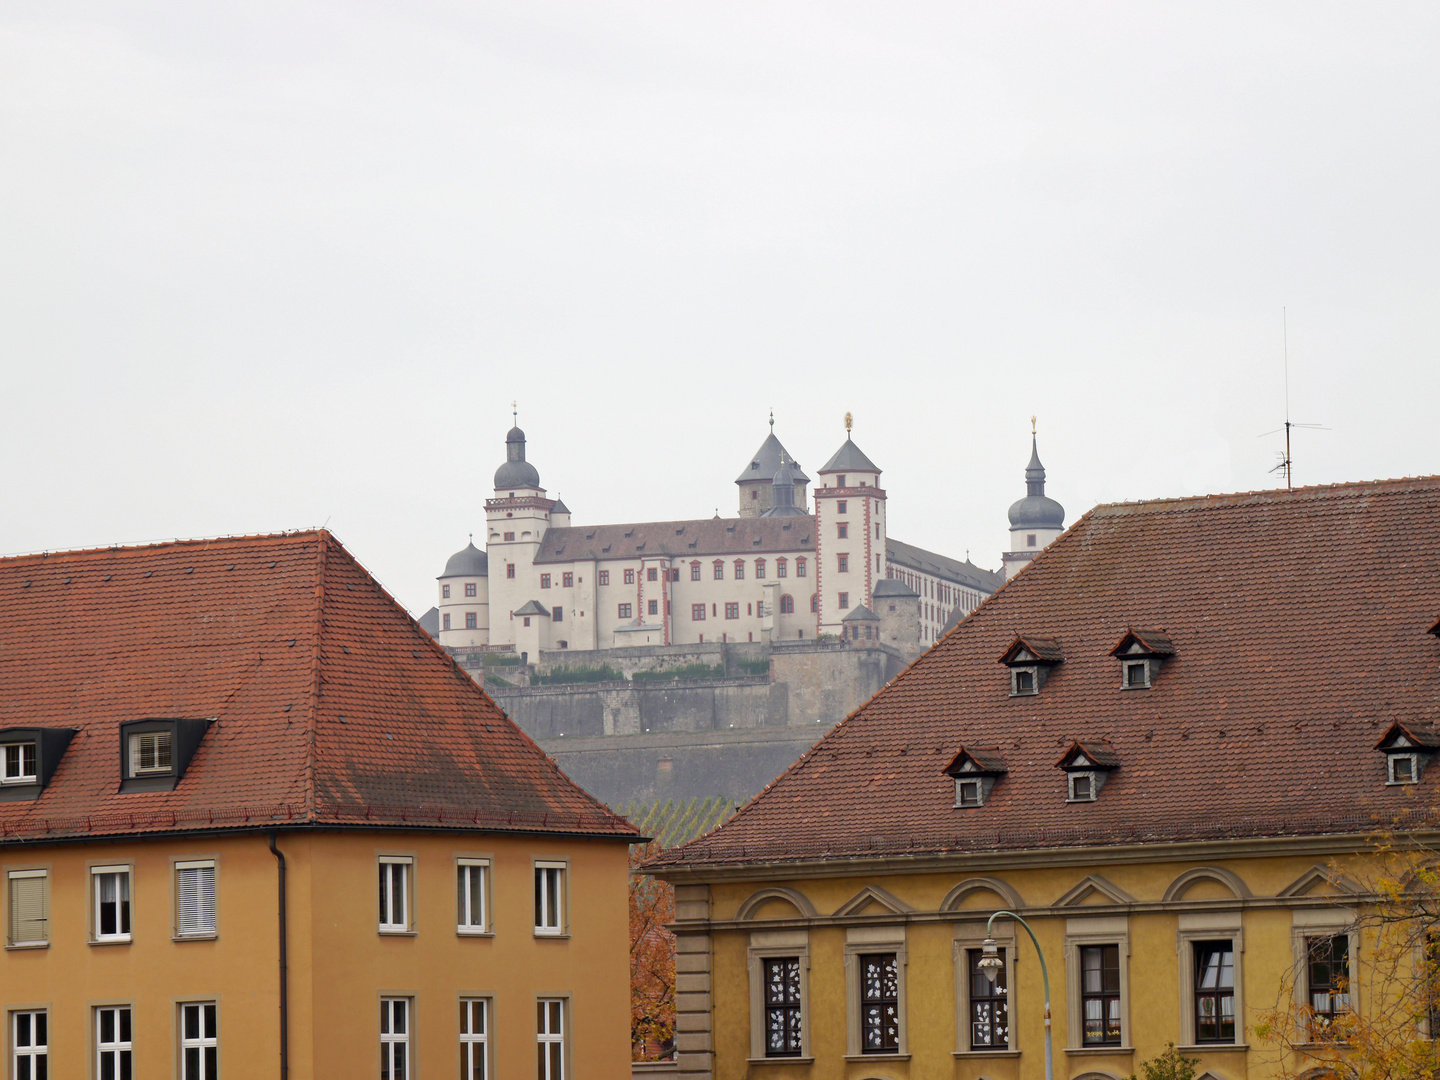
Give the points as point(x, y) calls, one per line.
point(652, 961)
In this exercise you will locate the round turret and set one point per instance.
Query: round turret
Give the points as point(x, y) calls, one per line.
point(471, 562)
point(516, 472)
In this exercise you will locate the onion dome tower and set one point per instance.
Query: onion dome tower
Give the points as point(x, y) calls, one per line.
point(783, 487)
point(516, 472)
point(1035, 520)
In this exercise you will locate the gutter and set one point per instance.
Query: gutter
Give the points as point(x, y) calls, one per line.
point(284, 968)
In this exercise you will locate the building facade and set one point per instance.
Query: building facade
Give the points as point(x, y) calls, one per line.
point(1177, 786)
point(260, 825)
point(778, 571)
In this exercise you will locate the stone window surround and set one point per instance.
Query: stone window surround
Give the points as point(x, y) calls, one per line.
point(1102, 930)
point(971, 935)
point(864, 940)
point(1201, 926)
point(767, 944)
point(1316, 922)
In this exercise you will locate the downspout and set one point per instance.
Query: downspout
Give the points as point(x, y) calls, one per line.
point(284, 971)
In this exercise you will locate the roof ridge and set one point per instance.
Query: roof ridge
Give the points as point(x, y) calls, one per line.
point(1309, 491)
point(157, 545)
point(312, 712)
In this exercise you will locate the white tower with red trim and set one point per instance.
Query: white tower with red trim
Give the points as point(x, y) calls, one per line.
point(849, 534)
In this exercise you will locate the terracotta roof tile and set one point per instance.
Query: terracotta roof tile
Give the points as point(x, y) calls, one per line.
point(1299, 622)
point(330, 704)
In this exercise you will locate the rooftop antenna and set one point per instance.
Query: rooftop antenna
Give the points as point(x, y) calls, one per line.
point(1286, 464)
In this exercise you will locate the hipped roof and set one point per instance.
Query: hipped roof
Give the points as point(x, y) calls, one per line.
point(332, 707)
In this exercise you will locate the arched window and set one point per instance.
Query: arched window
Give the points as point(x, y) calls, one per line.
point(787, 605)
point(800, 566)
point(739, 569)
point(782, 567)
point(759, 568)
point(719, 569)
point(814, 604)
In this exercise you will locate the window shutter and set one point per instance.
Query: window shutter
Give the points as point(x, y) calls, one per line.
point(195, 900)
point(29, 908)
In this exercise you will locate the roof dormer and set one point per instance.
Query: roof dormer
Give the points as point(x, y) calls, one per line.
point(975, 772)
point(155, 752)
point(1030, 659)
point(1087, 765)
point(1141, 652)
point(1407, 749)
point(28, 758)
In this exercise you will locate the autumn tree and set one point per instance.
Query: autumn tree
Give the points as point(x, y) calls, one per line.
point(1374, 1022)
point(652, 960)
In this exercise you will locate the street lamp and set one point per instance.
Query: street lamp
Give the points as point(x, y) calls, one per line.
point(991, 963)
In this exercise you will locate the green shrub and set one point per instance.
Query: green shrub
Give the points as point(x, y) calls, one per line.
point(754, 667)
point(685, 671)
point(1171, 1065)
point(600, 673)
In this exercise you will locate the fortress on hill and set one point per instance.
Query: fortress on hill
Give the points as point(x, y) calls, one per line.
point(701, 657)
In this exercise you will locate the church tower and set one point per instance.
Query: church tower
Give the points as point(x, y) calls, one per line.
point(516, 520)
point(1034, 520)
point(849, 535)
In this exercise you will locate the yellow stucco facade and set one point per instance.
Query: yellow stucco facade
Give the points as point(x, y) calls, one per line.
point(1265, 903)
point(340, 962)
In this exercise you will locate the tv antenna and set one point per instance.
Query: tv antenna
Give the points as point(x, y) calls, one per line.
point(1286, 463)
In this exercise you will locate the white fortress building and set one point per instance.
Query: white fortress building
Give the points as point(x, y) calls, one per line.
point(777, 571)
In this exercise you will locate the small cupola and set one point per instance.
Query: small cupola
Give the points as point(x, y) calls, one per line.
point(1030, 659)
point(1141, 652)
point(1087, 765)
point(975, 772)
point(1407, 749)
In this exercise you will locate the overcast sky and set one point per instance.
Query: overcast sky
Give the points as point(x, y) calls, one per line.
point(265, 266)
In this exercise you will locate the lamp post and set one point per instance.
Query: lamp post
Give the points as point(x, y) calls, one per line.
point(991, 964)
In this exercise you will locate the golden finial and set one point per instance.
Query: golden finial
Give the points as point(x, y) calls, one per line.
point(515, 411)
point(1032, 425)
point(849, 420)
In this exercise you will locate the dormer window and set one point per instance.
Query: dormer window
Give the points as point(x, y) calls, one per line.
point(20, 763)
point(975, 772)
point(1141, 652)
point(1087, 766)
point(1407, 748)
point(1030, 659)
point(28, 758)
point(155, 752)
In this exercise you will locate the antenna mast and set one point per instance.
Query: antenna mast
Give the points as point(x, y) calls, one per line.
point(1287, 465)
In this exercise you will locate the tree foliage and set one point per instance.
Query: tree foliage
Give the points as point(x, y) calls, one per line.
point(1392, 994)
point(1171, 1065)
point(652, 960)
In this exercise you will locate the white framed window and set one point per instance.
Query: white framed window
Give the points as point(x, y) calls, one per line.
point(195, 898)
point(550, 898)
point(199, 1041)
point(550, 1038)
point(472, 881)
point(474, 1039)
point(30, 1044)
point(151, 752)
point(19, 763)
point(29, 907)
point(110, 892)
point(395, 893)
point(114, 1047)
point(394, 1038)
point(1404, 768)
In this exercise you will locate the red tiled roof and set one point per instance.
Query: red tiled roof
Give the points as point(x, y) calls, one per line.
point(331, 705)
point(1299, 621)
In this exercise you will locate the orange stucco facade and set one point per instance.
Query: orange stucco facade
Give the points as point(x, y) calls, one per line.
point(340, 962)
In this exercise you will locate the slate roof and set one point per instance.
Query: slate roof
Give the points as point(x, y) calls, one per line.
point(1299, 620)
point(766, 463)
point(533, 607)
point(849, 458)
point(331, 705)
point(706, 536)
point(959, 571)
